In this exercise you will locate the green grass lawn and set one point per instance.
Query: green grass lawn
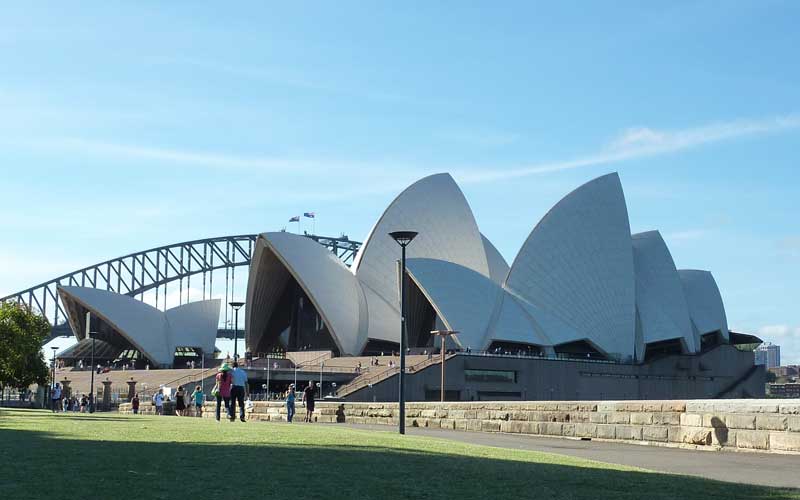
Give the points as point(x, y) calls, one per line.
point(110, 456)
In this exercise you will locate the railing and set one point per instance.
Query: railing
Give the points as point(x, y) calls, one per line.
point(313, 369)
point(315, 361)
point(192, 377)
point(557, 357)
point(361, 382)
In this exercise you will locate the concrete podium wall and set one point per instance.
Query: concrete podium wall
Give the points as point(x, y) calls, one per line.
point(770, 425)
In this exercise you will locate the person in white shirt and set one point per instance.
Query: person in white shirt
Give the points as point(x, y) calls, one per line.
point(158, 402)
point(55, 398)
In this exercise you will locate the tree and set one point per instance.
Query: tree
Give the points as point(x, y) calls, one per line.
point(22, 333)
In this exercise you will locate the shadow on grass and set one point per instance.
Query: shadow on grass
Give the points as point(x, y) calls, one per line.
point(83, 417)
point(34, 464)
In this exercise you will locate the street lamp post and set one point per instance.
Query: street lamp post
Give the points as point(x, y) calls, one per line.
point(403, 238)
point(236, 305)
point(91, 384)
point(53, 385)
point(444, 334)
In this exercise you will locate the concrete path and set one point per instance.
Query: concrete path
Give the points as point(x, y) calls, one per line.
point(739, 467)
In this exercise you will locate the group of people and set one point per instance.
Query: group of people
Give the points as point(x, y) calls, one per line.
point(196, 400)
point(307, 399)
point(60, 402)
point(231, 388)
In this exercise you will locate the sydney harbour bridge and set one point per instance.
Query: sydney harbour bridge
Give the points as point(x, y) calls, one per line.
point(205, 266)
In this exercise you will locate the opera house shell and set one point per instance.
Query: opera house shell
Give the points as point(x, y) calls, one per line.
point(122, 323)
point(581, 285)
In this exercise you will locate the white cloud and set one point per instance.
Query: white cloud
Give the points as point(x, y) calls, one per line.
point(643, 142)
point(631, 144)
point(772, 331)
point(177, 156)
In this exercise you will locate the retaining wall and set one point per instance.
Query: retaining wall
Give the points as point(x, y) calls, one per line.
point(762, 425)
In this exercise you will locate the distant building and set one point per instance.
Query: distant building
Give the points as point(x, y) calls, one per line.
point(784, 390)
point(788, 371)
point(769, 355)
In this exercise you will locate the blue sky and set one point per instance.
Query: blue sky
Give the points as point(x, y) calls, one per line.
point(125, 126)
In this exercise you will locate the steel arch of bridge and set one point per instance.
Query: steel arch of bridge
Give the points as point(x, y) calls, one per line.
point(153, 269)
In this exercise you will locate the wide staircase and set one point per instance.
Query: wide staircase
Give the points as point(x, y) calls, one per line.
point(146, 380)
point(383, 371)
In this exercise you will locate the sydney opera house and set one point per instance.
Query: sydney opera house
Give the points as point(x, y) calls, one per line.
point(581, 288)
point(580, 284)
point(585, 310)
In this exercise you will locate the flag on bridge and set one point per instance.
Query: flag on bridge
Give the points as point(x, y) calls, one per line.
point(296, 218)
point(310, 215)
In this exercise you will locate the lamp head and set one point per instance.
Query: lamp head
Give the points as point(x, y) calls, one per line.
point(403, 238)
point(236, 305)
point(444, 333)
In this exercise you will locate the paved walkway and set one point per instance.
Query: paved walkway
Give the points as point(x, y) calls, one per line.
point(739, 467)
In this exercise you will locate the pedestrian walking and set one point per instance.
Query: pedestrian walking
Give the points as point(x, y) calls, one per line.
point(158, 401)
point(238, 391)
point(55, 398)
point(135, 404)
point(199, 398)
point(308, 401)
point(222, 388)
point(290, 397)
point(84, 403)
point(180, 402)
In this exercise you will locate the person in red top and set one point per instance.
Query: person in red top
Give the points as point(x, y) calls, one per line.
point(222, 389)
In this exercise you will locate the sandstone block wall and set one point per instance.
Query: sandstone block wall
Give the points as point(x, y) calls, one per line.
point(771, 425)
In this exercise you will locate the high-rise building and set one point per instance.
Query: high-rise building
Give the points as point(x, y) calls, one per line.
point(769, 355)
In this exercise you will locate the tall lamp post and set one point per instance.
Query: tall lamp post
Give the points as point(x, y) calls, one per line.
point(53, 368)
point(236, 306)
point(403, 238)
point(91, 384)
point(444, 334)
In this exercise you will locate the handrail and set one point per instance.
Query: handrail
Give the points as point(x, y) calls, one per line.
point(557, 357)
point(192, 376)
point(313, 361)
point(360, 382)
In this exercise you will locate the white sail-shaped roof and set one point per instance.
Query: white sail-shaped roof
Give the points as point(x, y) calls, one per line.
point(577, 264)
point(434, 207)
point(464, 299)
point(327, 282)
point(154, 333)
point(660, 301)
point(498, 267)
point(512, 323)
point(705, 302)
point(195, 324)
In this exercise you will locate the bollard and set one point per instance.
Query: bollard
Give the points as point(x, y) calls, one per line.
point(131, 389)
point(106, 394)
